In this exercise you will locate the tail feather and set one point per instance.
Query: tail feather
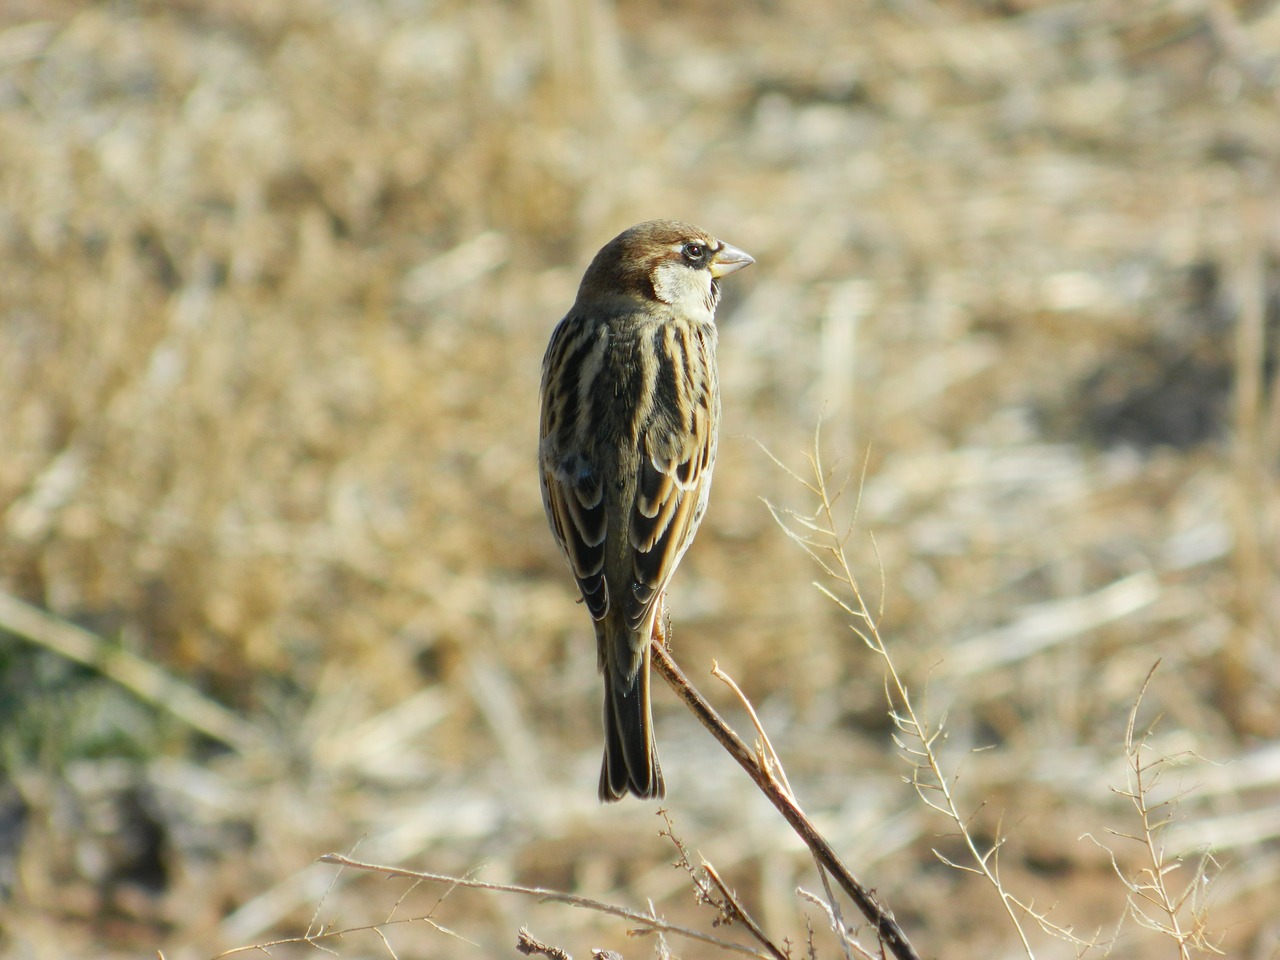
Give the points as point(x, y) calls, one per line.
point(630, 754)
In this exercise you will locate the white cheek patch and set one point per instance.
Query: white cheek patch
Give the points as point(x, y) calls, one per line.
point(686, 289)
point(666, 282)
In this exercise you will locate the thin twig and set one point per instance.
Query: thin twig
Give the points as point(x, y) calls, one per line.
point(329, 933)
point(833, 911)
point(1151, 888)
point(702, 891)
point(773, 764)
point(890, 934)
point(740, 913)
point(530, 945)
point(846, 938)
point(650, 923)
point(766, 753)
point(818, 534)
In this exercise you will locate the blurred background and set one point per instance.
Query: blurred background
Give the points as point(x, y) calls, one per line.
point(274, 575)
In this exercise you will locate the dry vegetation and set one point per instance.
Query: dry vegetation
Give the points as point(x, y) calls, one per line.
point(276, 282)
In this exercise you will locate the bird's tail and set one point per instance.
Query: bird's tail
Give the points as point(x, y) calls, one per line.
point(630, 754)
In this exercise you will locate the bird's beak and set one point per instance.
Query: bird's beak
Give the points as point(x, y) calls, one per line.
point(729, 259)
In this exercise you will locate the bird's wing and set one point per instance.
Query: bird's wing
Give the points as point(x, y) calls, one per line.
point(572, 489)
point(574, 500)
point(677, 453)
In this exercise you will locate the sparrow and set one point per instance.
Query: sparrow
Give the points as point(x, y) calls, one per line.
point(627, 443)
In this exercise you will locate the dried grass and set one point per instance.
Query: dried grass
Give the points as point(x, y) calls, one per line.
point(277, 282)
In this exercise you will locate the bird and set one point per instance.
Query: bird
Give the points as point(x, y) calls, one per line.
point(630, 406)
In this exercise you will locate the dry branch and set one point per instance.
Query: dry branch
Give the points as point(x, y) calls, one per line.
point(887, 929)
point(649, 922)
point(739, 912)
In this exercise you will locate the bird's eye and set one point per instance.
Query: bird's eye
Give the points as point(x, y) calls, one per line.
point(694, 251)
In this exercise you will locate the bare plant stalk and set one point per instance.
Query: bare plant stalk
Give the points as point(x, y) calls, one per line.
point(740, 913)
point(317, 938)
point(648, 921)
point(530, 946)
point(1151, 888)
point(818, 535)
point(707, 882)
point(773, 764)
point(848, 942)
point(891, 935)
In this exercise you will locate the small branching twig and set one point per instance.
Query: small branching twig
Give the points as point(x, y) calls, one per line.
point(887, 928)
point(833, 911)
point(727, 906)
point(702, 891)
point(738, 912)
point(819, 535)
point(847, 940)
point(1153, 901)
point(647, 921)
point(318, 934)
point(319, 939)
point(530, 946)
point(768, 758)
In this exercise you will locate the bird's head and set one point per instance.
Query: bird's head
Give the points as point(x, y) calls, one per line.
point(664, 261)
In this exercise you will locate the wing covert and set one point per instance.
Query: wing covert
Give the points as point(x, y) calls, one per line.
point(574, 498)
